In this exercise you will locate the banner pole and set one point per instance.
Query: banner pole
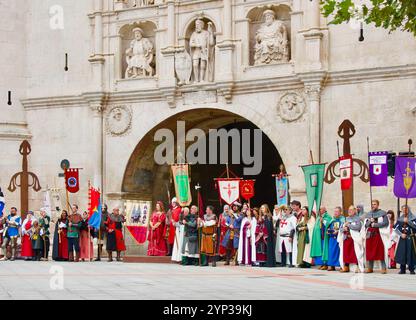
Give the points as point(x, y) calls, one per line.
point(368, 151)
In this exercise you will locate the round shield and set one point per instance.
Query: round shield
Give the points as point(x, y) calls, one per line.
point(64, 164)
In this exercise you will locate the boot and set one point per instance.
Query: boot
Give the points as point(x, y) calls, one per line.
point(100, 249)
point(13, 251)
point(71, 257)
point(214, 261)
point(383, 271)
point(345, 269)
point(118, 256)
point(76, 256)
point(110, 256)
point(324, 268)
point(368, 270)
point(331, 269)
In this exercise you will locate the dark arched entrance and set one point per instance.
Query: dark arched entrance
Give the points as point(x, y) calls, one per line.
point(145, 180)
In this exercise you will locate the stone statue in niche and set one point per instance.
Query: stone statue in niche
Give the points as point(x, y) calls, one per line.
point(202, 47)
point(139, 56)
point(272, 45)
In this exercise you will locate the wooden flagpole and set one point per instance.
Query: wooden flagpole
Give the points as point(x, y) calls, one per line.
point(368, 151)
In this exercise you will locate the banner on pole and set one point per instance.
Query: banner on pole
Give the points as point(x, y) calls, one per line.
point(314, 181)
point(94, 219)
point(182, 186)
point(378, 168)
point(72, 180)
point(282, 190)
point(247, 189)
point(345, 168)
point(229, 190)
point(404, 178)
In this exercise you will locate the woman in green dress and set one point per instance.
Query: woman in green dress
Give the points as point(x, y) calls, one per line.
point(303, 236)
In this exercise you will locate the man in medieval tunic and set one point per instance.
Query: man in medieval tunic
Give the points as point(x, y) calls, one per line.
point(75, 221)
point(351, 242)
point(11, 233)
point(139, 56)
point(101, 232)
point(377, 237)
point(174, 214)
point(115, 240)
point(405, 228)
point(209, 236)
point(190, 248)
point(287, 228)
point(222, 221)
point(44, 223)
point(318, 236)
point(179, 230)
point(232, 236)
point(331, 247)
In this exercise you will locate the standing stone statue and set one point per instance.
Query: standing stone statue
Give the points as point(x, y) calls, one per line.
point(139, 56)
point(272, 44)
point(202, 45)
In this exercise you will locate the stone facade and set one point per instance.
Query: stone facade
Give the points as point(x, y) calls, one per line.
point(98, 118)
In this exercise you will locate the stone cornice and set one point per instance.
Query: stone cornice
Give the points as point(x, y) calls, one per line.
point(293, 81)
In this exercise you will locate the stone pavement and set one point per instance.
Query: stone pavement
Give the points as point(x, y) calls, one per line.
point(103, 280)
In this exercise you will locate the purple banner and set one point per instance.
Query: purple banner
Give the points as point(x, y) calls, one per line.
point(404, 178)
point(378, 168)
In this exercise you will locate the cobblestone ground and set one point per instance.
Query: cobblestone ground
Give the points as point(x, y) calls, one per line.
point(103, 280)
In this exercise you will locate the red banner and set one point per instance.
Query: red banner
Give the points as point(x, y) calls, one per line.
point(247, 189)
point(138, 233)
point(345, 171)
point(72, 180)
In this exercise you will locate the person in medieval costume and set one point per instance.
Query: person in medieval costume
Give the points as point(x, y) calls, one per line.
point(360, 210)
point(394, 238)
point(276, 215)
point(318, 236)
point(332, 250)
point(157, 231)
point(232, 236)
point(180, 230)
point(101, 233)
point(44, 223)
point(209, 225)
point(190, 241)
point(222, 251)
point(174, 214)
point(405, 228)
point(296, 207)
point(270, 238)
point(11, 233)
point(60, 239)
point(261, 235)
point(351, 242)
point(75, 221)
point(36, 234)
point(115, 240)
point(27, 250)
point(247, 239)
point(377, 237)
point(302, 231)
point(287, 229)
point(86, 252)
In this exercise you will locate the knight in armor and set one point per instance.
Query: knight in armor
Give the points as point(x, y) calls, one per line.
point(405, 228)
point(11, 233)
point(209, 236)
point(377, 237)
point(115, 240)
point(44, 223)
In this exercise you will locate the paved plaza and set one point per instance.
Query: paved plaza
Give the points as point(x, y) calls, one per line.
point(125, 281)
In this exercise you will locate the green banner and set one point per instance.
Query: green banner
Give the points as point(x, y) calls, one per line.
point(314, 181)
point(182, 186)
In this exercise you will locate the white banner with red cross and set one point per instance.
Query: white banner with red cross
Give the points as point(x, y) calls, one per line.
point(229, 190)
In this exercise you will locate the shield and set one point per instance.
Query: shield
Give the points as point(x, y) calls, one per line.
point(72, 180)
point(229, 190)
point(183, 67)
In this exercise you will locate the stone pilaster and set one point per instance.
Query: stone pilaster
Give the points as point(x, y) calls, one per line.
point(313, 94)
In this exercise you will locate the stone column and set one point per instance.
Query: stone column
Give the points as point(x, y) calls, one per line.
point(97, 144)
point(97, 58)
point(228, 19)
point(314, 14)
point(171, 23)
point(313, 92)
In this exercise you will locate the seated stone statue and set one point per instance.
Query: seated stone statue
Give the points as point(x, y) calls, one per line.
point(272, 45)
point(139, 56)
point(143, 3)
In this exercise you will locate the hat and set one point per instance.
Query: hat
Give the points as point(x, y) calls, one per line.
point(174, 200)
point(138, 29)
point(269, 11)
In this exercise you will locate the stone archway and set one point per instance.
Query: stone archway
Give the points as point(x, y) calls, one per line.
point(145, 180)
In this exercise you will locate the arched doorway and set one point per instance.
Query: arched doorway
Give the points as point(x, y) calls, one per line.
point(148, 181)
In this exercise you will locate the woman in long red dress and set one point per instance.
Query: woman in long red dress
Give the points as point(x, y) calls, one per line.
point(392, 249)
point(60, 239)
point(27, 251)
point(156, 237)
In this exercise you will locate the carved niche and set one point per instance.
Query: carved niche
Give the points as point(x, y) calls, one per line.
point(138, 48)
point(269, 35)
